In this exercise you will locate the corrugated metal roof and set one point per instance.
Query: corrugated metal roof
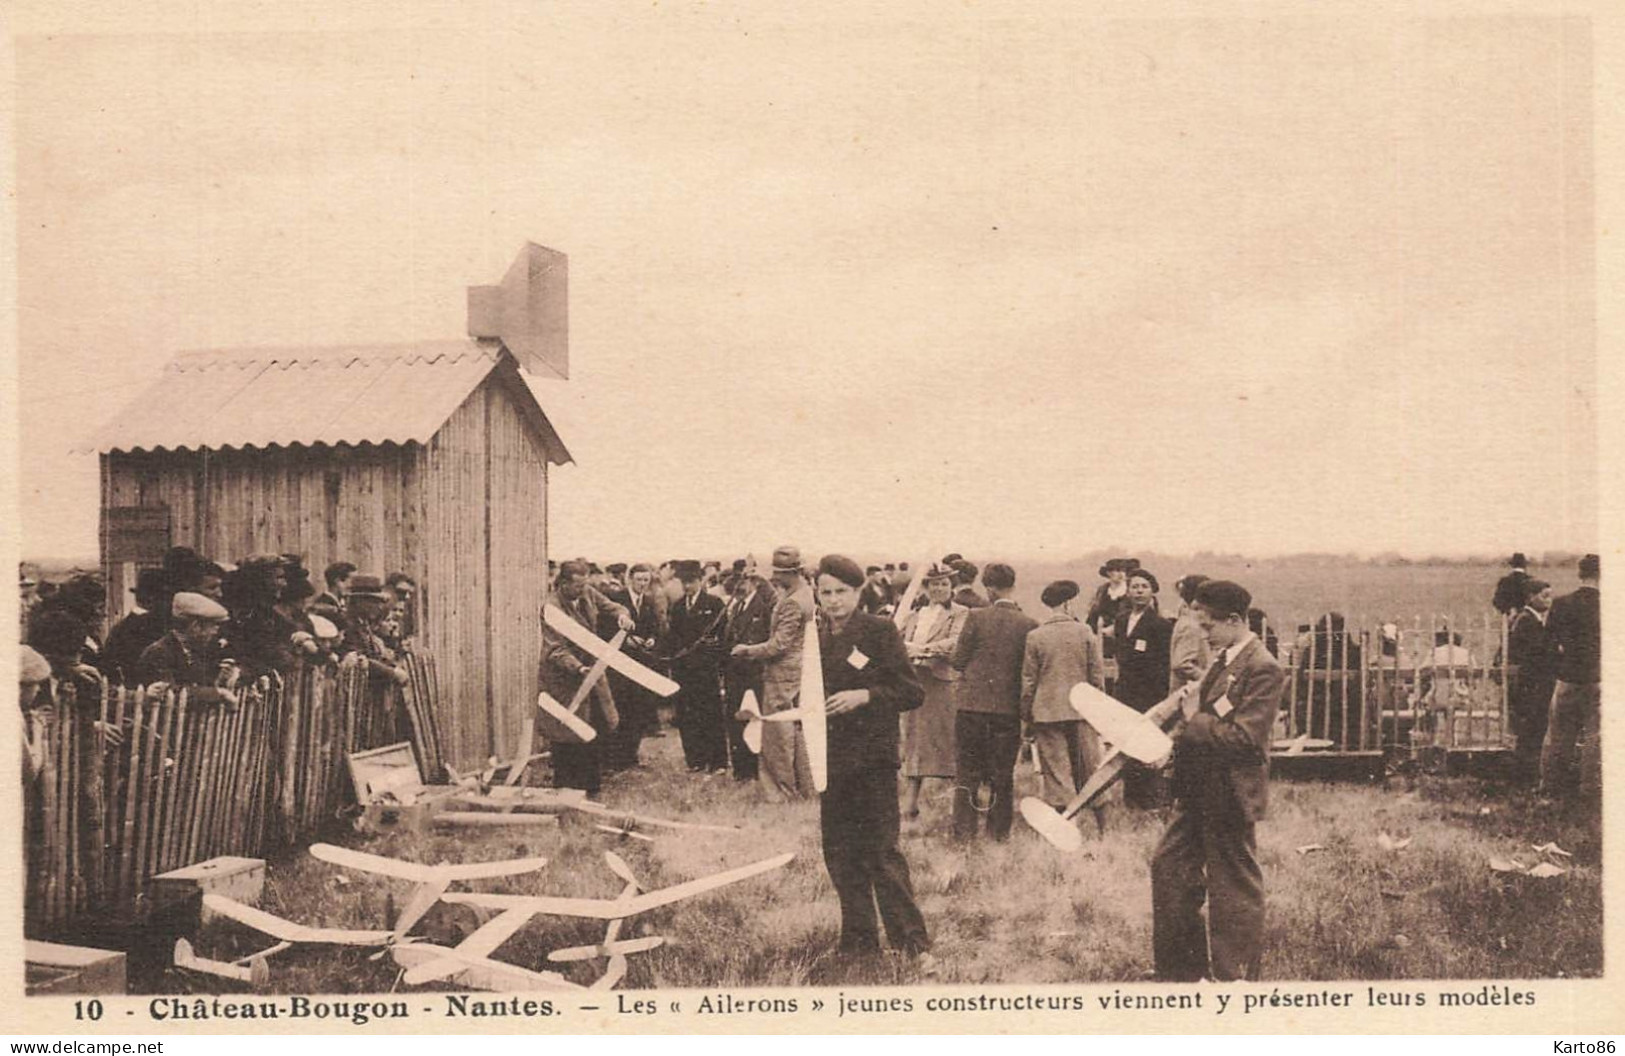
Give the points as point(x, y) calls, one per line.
point(263, 397)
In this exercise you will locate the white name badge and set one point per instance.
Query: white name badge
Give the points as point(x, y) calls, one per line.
point(1223, 707)
point(857, 659)
point(1139, 646)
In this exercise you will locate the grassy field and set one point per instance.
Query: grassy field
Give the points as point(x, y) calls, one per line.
point(1019, 912)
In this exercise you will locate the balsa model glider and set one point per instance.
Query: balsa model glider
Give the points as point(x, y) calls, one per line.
point(252, 969)
point(613, 947)
point(1130, 734)
point(619, 908)
point(289, 932)
point(469, 961)
point(606, 654)
point(431, 880)
point(809, 711)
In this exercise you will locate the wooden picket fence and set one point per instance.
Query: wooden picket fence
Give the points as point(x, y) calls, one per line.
point(1386, 687)
point(183, 782)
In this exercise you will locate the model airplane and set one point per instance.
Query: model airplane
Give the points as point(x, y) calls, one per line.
point(619, 908)
point(1131, 736)
point(607, 654)
point(469, 961)
point(426, 963)
point(252, 969)
point(561, 800)
point(613, 947)
point(809, 711)
point(289, 932)
point(431, 880)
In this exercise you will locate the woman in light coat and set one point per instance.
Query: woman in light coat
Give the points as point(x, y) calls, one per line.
point(930, 635)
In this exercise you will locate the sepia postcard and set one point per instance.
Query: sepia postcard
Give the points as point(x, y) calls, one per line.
point(684, 517)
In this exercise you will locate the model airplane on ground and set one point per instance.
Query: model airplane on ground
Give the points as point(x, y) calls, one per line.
point(252, 969)
point(809, 711)
point(1130, 735)
point(289, 932)
point(431, 880)
point(613, 947)
point(469, 961)
point(619, 908)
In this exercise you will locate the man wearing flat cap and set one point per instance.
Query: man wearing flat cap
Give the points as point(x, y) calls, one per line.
point(1060, 653)
point(1221, 789)
point(782, 764)
point(188, 655)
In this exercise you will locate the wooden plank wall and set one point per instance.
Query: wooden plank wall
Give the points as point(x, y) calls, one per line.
point(519, 550)
point(361, 505)
point(452, 495)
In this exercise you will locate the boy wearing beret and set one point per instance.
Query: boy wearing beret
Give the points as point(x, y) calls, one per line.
point(1221, 788)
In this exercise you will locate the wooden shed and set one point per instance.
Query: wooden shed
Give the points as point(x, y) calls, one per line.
point(428, 458)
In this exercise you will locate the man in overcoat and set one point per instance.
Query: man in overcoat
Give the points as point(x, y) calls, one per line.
point(783, 763)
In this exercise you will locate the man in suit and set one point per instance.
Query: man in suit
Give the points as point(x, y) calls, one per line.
point(1060, 653)
point(1575, 628)
point(1531, 652)
point(564, 666)
point(987, 723)
point(1513, 588)
point(783, 765)
point(694, 648)
point(748, 621)
point(638, 707)
point(1221, 790)
point(1143, 639)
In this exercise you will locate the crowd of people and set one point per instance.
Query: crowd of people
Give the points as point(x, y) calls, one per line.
point(944, 680)
point(934, 672)
point(211, 627)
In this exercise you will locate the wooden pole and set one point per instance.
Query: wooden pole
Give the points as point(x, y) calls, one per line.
point(143, 734)
point(132, 803)
point(208, 716)
point(166, 831)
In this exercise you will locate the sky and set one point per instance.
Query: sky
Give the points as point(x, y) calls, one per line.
point(933, 279)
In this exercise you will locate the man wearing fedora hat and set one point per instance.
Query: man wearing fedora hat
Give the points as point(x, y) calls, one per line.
point(366, 605)
point(694, 649)
point(140, 627)
point(748, 620)
point(782, 765)
point(1513, 588)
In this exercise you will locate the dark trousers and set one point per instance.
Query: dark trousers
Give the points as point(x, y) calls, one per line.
point(637, 707)
point(734, 683)
point(859, 819)
point(987, 746)
point(1212, 859)
point(699, 719)
point(576, 765)
point(1144, 788)
point(1530, 710)
point(1571, 758)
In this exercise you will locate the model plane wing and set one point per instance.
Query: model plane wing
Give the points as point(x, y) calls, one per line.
point(813, 729)
point(475, 971)
point(578, 635)
point(401, 870)
point(1120, 725)
point(615, 908)
point(287, 930)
